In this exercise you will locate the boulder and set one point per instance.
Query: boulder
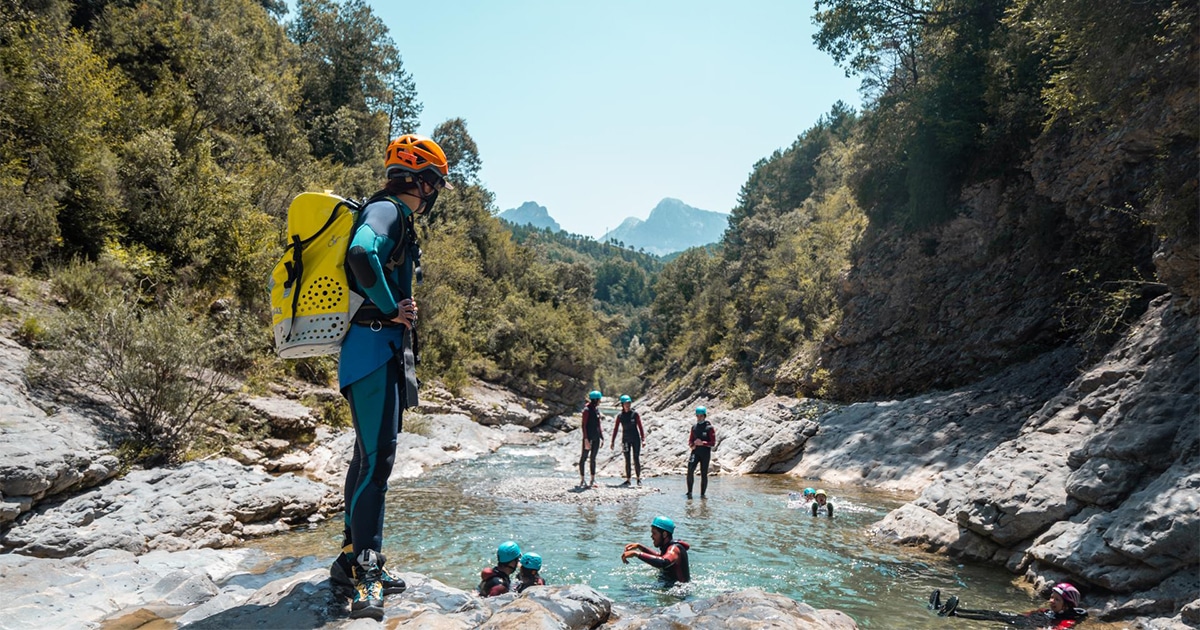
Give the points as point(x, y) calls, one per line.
point(42, 454)
point(198, 504)
point(1099, 486)
point(905, 444)
point(57, 593)
point(749, 609)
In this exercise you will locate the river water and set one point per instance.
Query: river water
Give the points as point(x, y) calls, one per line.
point(747, 533)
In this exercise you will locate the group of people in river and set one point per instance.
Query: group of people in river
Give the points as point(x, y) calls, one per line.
point(701, 440)
point(377, 376)
point(498, 579)
point(668, 555)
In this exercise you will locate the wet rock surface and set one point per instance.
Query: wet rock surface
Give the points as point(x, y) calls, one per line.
point(1099, 486)
point(749, 609)
point(905, 444)
point(198, 504)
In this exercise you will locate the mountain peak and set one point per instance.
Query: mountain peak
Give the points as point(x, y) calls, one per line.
point(672, 226)
point(530, 213)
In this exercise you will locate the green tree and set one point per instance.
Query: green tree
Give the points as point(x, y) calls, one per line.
point(461, 151)
point(355, 92)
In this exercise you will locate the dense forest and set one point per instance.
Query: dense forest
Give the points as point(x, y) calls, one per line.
point(149, 150)
point(1059, 138)
point(148, 153)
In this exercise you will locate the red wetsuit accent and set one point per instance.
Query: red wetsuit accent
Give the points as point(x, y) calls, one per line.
point(493, 582)
point(672, 559)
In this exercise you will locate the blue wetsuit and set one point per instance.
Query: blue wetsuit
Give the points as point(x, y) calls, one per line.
point(376, 370)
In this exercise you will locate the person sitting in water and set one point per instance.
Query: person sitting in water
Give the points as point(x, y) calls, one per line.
point(531, 567)
point(1063, 611)
point(671, 556)
point(821, 502)
point(496, 580)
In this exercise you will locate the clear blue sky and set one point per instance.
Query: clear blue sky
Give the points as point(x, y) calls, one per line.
point(599, 109)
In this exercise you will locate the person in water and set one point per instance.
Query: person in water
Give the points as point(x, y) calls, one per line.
point(498, 579)
point(821, 503)
point(671, 555)
point(1063, 612)
point(376, 369)
point(531, 572)
point(701, 440)
point(629, 422)
point(593, 434)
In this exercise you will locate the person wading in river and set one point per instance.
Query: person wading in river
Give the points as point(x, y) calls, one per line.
point(1062, 613)
point(498, 579)
point(629, 422)
point(593, 435)
point(671, 557)
point(701, 440)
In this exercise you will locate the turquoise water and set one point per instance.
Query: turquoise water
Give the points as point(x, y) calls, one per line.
point(745, 534)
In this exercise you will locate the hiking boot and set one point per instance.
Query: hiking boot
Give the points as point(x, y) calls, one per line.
point(368, 592)
point(341, 572)
point(342, 575)
point(392, 584)
point(626, 483)
point(639, 481)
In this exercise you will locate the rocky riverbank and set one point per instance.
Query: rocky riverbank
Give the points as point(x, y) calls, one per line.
point(242, 588)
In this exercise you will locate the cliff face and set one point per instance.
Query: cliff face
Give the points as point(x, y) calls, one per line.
point(944, 306)
point(1099, 486)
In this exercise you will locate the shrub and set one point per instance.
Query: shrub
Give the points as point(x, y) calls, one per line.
point(157, 364)
point(32, 334)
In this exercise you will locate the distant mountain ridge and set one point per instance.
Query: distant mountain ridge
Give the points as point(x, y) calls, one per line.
point(530, 213)
point(672, 226)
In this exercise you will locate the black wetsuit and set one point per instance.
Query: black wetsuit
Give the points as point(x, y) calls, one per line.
point(592, 432)
point(631, 439)
point(816, 508)
point(1044, 618)
point(672, 559)
point(704, 433)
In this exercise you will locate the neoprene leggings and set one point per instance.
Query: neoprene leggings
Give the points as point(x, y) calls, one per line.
point(583, 458)
point(375, 408)
point(636, 449)
point(701, 456)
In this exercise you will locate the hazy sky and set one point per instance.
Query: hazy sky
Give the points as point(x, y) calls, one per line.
point(599, 109)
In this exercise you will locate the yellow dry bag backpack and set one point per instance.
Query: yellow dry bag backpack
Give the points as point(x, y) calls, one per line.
point(311, 299)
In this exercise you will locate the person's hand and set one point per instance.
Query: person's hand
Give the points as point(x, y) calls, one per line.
point(408, 313)
point(627, 555)
point(631, 546)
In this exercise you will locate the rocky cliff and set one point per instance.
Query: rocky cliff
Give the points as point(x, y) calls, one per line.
point(1099, 486)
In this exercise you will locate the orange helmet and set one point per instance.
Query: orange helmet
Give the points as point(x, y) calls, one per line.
point(411, 153)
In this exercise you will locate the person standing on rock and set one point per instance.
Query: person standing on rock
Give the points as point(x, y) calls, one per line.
point(593, 434)
point(376, 370)
point(1062, 614)
point(671, 555)
point(497, 580)
point(701, 440)
point(630, 424)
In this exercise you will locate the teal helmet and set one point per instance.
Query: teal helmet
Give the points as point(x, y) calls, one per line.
point(531, 561)
point(508, 551)
point(664, 523)
point(626, 399)
point(808, 492)
point(595, 395)
point(702, 411)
